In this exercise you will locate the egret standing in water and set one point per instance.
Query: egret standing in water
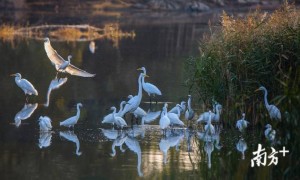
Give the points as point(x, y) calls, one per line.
point(182, 108)
point(60, 64)
point(164, 121)
point(135, 101)
point(272, 109)
point(70, 122)
point(242, 123)
point(119, 121)
point(189, 113)
point(109, 118)
point(45, 123)
point(148, 87)
point(25, 85)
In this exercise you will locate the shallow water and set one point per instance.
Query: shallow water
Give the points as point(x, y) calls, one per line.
point(86, 152)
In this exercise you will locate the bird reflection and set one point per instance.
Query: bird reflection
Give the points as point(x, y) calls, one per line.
point(172, 139)
point(54, 84)
point(110, 133)
point(119, 141)
point(45, 139)
point(25, 113)
point(92, 47)
point(215, 138)
point(242, 147)
point(209, 148)
point(71, 136)
point(134, 146)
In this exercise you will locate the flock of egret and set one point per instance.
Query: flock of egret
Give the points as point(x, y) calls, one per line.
point(167, 120)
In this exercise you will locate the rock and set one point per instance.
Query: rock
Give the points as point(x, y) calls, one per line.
point(197, 6)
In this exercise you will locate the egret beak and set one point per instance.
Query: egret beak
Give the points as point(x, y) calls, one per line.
point(139, 69)
point(12, 75)
point(257, 90)
point(145, 75)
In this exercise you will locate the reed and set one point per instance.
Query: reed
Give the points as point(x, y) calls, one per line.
point(244, 53)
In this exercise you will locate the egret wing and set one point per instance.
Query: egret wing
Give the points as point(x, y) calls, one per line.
point(54, 57)
point(24, 84)
point(71, 69)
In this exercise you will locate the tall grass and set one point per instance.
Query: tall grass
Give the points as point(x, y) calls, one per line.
point(244, 53)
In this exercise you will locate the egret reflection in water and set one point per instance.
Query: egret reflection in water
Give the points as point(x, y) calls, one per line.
point(25, 113)
point(54, 84)
point(209, 148)
point(134, 146)
point(119, 141)
point(241, 146)
point(71, 136)
point(45, 139)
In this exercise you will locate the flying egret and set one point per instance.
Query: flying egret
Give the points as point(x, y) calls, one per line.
point(45, 139)
point(71, 136)
point(242, 123)
point(60, 64)
point(70, 122)
point(182, 108)
point(119, 121)
point(269, 133)
point(209, 128)
point(109, 118)
point(164, 121)
point(214, 117)
point(25, 85)
point(148, 87)
point(54, 84)
point(25, 113)
point(135, 101)
point(272, 109)
point(242, 147)
point(45, 123)
point(189, 113)
point(174, 119)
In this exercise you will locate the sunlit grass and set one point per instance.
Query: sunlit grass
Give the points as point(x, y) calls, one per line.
point(7, 32)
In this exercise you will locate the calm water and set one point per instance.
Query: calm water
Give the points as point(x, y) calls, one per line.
point(88, 151)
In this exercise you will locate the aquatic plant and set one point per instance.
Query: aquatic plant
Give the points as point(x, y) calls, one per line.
point(244, 53)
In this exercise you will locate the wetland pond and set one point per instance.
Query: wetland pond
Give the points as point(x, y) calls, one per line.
point(93, 150)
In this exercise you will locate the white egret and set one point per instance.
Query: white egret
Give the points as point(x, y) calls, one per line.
point(45, 139)
point(62, 65)
point(70, 122)
point(109, 118)
point(174, 119)
point(242, 123)
point(242, 147)
point(139, 112)
point(25, 85)
point(150, 116)
point(270, 133)
point(189, 113)
point(45, 123)
point(209, 128)
point(274, 112)
point(119, 121)
point(71, 136)
point(182, 108)
point(119, 141)
point(25, 113)
point(54, 84)
point(164, 121)
point(214, 117)
point(134, 146)
point(135, 101)
point(148, 87)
